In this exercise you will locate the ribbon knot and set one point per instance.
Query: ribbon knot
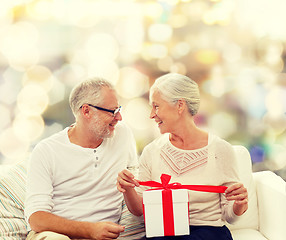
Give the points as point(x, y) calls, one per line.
point(165, 179)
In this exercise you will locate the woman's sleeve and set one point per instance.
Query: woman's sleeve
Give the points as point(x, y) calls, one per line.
point(230, 175)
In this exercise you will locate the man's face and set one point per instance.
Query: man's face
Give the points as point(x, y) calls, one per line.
point(103, 123)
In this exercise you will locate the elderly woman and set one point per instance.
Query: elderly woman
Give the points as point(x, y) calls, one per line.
point(191, 156)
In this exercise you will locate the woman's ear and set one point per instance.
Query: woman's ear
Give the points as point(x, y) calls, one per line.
point(181, 105)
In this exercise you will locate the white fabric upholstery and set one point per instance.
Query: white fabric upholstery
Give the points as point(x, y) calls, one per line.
point(245, 234)
point(271, 194)
point(266, 216)
point(250, 218)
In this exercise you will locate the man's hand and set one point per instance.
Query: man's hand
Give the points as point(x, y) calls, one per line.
point(44, 221)
point(105, 230)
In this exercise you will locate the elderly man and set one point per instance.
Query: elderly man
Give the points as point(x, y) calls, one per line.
point(71, 185)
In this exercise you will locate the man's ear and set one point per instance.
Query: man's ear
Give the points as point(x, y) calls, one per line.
point(85, 111)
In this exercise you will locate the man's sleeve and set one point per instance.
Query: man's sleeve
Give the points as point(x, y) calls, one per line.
point(39, 189)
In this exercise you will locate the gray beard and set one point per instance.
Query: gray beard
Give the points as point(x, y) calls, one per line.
point(99, 132)
point(102, 133)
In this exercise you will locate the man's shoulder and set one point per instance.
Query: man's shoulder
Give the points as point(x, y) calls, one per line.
point(122, 129)
point(54, 139)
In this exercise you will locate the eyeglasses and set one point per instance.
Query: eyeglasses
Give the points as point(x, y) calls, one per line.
point(114, 112)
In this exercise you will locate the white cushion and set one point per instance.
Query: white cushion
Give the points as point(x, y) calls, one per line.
point(250, 218)
point(271, 192)
point(247, 234)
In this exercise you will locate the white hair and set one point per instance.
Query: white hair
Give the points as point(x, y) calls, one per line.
point(88, 91)
point(174, 86)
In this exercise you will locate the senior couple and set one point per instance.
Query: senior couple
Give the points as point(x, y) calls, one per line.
point(78, 177)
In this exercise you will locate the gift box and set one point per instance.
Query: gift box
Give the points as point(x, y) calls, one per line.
point(166, 206)
point(166, 212)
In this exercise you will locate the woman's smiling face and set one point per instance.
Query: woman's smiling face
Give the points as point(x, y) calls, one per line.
point(164, 113)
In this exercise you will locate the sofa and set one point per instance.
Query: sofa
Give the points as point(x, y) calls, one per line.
point(264, 220)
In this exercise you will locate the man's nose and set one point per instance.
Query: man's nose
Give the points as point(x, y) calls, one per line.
point(118, 116)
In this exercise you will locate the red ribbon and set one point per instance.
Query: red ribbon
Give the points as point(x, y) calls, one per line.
point(167, 200)
point(168, 213)
point(165, 179)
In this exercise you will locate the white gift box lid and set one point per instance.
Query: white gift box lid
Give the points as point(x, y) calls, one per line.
point(155, 196)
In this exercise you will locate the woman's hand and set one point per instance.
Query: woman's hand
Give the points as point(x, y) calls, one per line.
point(126, 184)
point(238, 193)
point(125, 181)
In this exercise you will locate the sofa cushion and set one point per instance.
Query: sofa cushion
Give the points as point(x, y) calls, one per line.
point(271, 192)
point(134, 226)
point(247, 234)
point(250, 218)
point(12, 195)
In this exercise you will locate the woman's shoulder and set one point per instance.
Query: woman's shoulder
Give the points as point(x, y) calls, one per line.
point(158, 142)
point(221, 148)
point(218, 142)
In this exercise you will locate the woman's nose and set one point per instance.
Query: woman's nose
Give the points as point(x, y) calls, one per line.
point(152, 113)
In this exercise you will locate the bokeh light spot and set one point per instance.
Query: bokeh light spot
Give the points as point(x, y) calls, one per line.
point(132, 83)
point(137, 113)
point(28, 128)
point(160, 32)
point(32, 100)
point(11, 146)
point(39, 75)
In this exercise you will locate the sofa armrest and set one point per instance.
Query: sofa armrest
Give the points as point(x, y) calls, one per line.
point(271, 197)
